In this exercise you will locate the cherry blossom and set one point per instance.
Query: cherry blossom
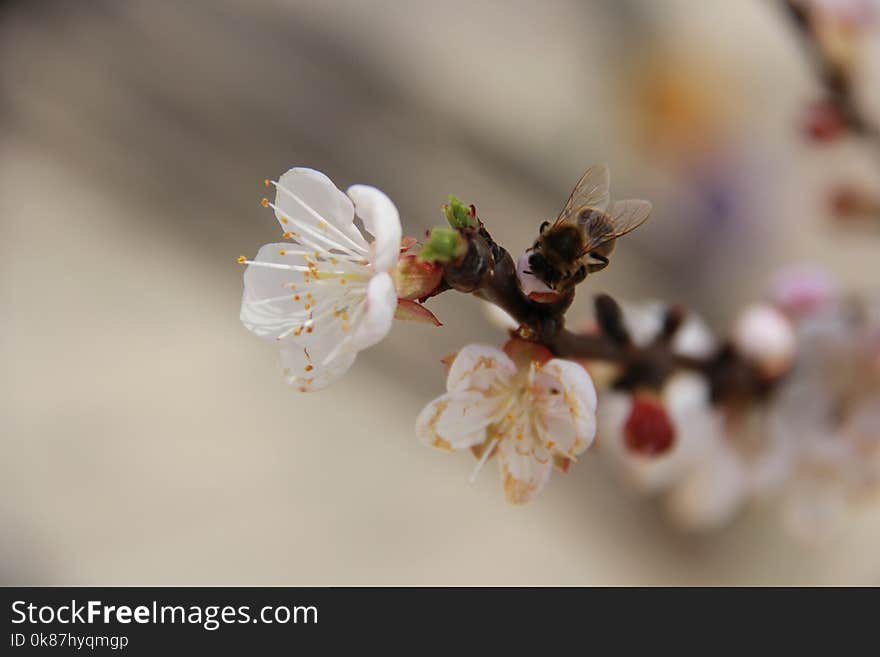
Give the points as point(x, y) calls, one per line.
point(327, 293)
point(530, 410)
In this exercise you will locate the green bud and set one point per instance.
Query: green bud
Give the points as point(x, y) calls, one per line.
point(458, 214)
point(443, 245)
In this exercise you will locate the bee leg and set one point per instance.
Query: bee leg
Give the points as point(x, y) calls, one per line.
point(601, 263)
point(579, 275)
point(543, 227)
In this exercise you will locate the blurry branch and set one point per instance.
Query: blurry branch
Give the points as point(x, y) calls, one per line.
point(834, 74)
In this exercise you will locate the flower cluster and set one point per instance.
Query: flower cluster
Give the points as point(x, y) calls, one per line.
point(787, 403)
point(812, 438)
point(334, 290)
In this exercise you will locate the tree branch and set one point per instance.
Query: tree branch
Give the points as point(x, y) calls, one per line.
point(835, 78)
point(488, 272)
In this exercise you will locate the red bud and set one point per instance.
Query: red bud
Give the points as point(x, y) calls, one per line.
point(648, 431)
point(823, 122)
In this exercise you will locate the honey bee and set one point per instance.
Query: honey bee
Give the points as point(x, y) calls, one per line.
point(585, 233)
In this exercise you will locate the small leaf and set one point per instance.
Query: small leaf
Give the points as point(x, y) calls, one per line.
point(458, 214)
point(415, 312)
point(443, 245)
point(415, 279)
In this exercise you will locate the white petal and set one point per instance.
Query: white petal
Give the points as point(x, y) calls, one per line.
point(382, 220)
point(295, 360)
point(480, 367)
point(522, 475)
point(579, 398)
point(803, 290)
point(457, 420)
point(308, 196)
point(269, 307)
point(378, 315)
point(763, 333)
point(693, 338)
point(643, 320)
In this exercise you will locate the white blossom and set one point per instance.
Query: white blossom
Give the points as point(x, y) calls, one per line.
point(763, 334)
point(718, 460)
point(829, 408)
point(802, 290)
point(327, 293)
point(531, 414)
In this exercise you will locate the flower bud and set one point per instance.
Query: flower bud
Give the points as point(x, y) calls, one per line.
point(443, 245)
point(416, 279)
point(458, 214)
point(824, 122)
point(765, 335)
point(648, 430)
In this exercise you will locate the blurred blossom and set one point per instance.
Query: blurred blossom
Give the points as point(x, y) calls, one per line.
point(815, 440)
point(802, 290)
point(831, 404)
point(823, 121)
point(718, 459)
point(689, 120)
point(680, 110)
point(685, 400)
point(764, 335)
point(841, 26)
point(851, 202)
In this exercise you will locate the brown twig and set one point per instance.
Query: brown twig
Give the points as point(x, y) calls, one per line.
point(836, 78)
point(487, 271)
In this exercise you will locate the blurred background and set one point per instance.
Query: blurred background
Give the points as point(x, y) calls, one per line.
point(147, 437)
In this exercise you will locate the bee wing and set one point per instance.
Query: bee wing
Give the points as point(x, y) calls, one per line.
point(591, 191)
point(622, 217)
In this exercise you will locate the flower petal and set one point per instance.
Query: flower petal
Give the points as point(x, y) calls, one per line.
point(269, 304)
point(296, 361)
point(382, 220)
point(381, 303)
point(457, 420)
point(480, 367)
point(522, 475)
point(308, 196)
point(576, 405)
point(764, 334)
